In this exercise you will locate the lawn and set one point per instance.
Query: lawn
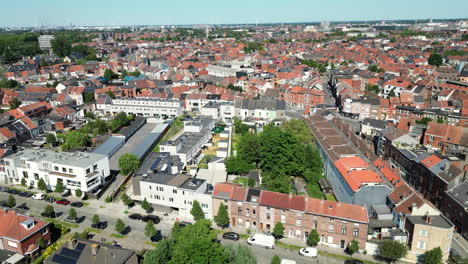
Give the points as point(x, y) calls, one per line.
point(175, 128)
point(330, 197)
point(93, 230)
point(287, 246)
point(314, 191)
point(117, 235)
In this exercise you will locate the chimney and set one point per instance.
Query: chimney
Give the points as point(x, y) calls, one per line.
point(413, 205)
point(71, 243)
point(290, 195)
point(94, 249)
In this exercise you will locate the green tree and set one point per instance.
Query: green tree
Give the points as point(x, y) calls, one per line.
point(222, 218)
point(41, 242)
point(110, 75)
point(23, 182)
point(123, 74)
point(11, 202)
point(78, 193)
point(120, 226)
point(72, 213)
point(313, 238)
point(128, 163)
point(51, 139)
point(110, 94)
point(49, 211)
point(435, 59)
point(275, 260)
point(239, 127)
point(135, 73)
point(276, 181)
point(392, 250)
point(89, 97)
point(197, 211)
point(353, 247)
point(373, 88)
point(15, 103)
point(374, 68)
point(161, 254)
point(150, 230)
point(61, 46)
point(433, 256)
point(237, 165)
point(59, 187)
point(42, 185)
point(4, 83)
point(146, 205)
point(126, 200)
point(175, 230)
point(95, 219)
point(424, 120)
point(243, 255)
point(76, 139)
point(299, 129)
point(278, 230)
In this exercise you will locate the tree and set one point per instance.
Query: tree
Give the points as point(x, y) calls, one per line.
point(150, 230)
point(23, 182)
point(49, 211)
point(374, 68)
point(433, 256)
point(243, 255)
point(146, 205)
point(89, 97)
point(78, 193)
point(392, 250)
point(72, 213)
point(275, 260)
point(95, 219)
point(42, 185)
point(41, 242)
point(120, 226)
point(278, 230)
point(435, 59)
point(353, 247)
point(11, 201)
point(392, 93)
point(76, 139)
point(135, 73)
point(128, 163)
point(373, 88)
point(59, 187)
point(126, 200)
point(161, 254)
point(237, 165)
point(110, 75)
point(123, 74)
point(313, 238)
point(61, 46)
point(51, 139)
point(15, 103)
point(197, 211)
point(222, 218)
point(110, 94)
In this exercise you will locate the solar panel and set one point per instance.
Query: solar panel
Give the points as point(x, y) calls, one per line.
point(63, 259)
point(80, 247)
point(70, 253)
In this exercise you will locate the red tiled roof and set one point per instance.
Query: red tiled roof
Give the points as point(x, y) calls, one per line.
point(431, 160)
point(10, 225)
point(282, 200)
point(229, 191)
point(6, 133)
point(337, 209)
point(355, 171)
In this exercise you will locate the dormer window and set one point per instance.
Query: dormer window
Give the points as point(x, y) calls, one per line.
point(28, 224)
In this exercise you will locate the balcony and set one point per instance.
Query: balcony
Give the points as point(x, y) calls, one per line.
point(61, 174)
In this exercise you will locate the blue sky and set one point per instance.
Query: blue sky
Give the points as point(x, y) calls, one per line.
point(156, 12)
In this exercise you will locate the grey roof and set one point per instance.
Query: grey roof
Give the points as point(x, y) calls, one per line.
point(159, 178)
point(79, 251)
point(375, 123)
point(436, 221)
point(109, 147)
point(460, 194)
point(260, 104)
point(192, 184)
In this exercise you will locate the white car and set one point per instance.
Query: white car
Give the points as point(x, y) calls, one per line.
point(38, 196)
point(308, 252)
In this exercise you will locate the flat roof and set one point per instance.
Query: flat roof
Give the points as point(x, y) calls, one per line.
point(436, 221)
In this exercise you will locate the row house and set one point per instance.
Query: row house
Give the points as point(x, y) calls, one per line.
point(141, 106)
point(455, 207)
point(303, 97)
point(447, 139)
point(259, 210)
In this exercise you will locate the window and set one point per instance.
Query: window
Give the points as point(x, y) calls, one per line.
point(95, 167)
point(330, 228)
point(88, 171)
point(431, 138)
point(158, 197)
point(64, 169)
point(314, 225)
point(12, 244)
point(44, 231)
point(70, 170)
point(298, 222)
point(343, 230)
point(171, 199)
point(423, 233)
point(355, 232)
point(253, 212)
point(239, 210)
point(268, 216)
point(174, 191)
point(56, 168)
point(283, 219)
point(36, 176)
point(247, 212)
point(421, 245)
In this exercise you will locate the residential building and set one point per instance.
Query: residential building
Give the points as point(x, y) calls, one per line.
point(302, 97)
point(260, 111)
point(91, 252)
point(78, 170)
point(455, 207)
point(20, 233)
point(139, 106)
point(259, 210)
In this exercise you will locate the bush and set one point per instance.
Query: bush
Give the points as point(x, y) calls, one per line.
point(108, 199)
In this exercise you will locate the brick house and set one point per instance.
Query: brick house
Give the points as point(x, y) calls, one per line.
point(20, 233)
point(303, 97)
point(259, 210)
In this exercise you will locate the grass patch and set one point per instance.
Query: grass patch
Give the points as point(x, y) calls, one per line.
point(336, 256)
point(176, 126)
point(125, 212)
point(117, 235)
point(93, 230)
point(151, 244)
point(86, 203)
point(287, 246)
point(244, 236)
point(330, 197)
point(66, 224)
point(314, 191)
point(102, 206)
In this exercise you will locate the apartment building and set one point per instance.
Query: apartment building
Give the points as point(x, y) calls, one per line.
point(78, 170)
point(260, 111)
point(303, 97)
point(219, 111)
point(259, 210)
point(221, 71)
point(142, 106)
point(20, 233)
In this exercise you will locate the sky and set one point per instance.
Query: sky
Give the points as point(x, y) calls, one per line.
point(179, 12)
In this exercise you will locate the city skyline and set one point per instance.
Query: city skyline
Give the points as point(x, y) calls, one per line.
point(88, 13)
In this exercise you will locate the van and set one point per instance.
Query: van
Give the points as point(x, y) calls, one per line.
point(287, 261)
point(262, 240)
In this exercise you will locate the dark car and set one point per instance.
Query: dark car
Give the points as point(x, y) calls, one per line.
point(12, 191)
point(135, 216)
point(100, 225)
point(77, 204)
point(353, 261)
point(50, 199)
point(3, 189)
point(184, 224)
point(154, 218)
point(158, 237)
point(25, 194)
point(52, 215)
point(3, 203)
point(231, 236)
point(23, 207)
point(62, 201)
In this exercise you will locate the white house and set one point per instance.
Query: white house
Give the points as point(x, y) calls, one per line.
point(147, 107)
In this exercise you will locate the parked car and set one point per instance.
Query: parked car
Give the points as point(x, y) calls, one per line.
point(154, 218)
point(288, 261)
point(12, 191)
point(184, 224)
point(135, 216)
point(38, 196)
point(158, 237)
point(77, 204)
point(3, 203)
point(353, 261)
point(22, 207)
point(262, 240)
point(3, 189)
point(62, 201)
point(231, 236)
point(308, 252)
point(100, 225)
point(71, 220)
point(53, 215)
point(50, 199)
point(25, 194)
